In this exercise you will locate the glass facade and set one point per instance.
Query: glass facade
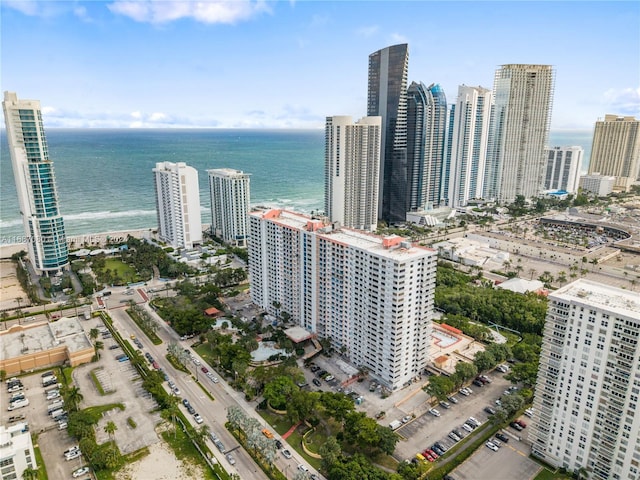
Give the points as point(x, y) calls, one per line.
point(35, 183)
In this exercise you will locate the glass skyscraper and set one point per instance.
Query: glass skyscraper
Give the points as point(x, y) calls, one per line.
point(35, 184)
point(387, 98)
point(426, 130)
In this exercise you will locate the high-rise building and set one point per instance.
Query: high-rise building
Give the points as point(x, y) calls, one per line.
point(230, 195)
point(615, 150)
point(352, 171)
point(387, 98)
point(16, 451)
point(426, 130)
point(467, 145)
point(178, 204)
point(36, 184)
point(371, 296)
point(586, 395)
point(519, 130)
point(563, 168)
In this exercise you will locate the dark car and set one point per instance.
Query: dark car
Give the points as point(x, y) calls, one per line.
point(517, 426)
point(489, 410)
point(278, 444)
point(478, 383)
point(316, 382)
point(503, 437)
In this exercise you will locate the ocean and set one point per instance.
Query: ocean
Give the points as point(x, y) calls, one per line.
point(105, 181)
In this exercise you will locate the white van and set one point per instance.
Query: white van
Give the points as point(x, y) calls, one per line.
point(18, 404)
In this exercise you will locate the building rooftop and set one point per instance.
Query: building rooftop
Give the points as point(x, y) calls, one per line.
point(521, 285)
point(392, 247)
point(613, 299)
point(227, 172)
point(22, 340)
point(297, 334)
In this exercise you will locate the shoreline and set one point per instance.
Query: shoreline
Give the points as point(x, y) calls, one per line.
point(76, 242)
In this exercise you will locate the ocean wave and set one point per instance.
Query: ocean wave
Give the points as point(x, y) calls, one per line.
point(10, 223)
point(108, 214)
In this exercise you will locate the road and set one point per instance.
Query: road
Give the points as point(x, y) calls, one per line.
point(214, 413)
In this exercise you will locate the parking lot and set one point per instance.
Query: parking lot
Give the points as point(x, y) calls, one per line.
point(509, 462)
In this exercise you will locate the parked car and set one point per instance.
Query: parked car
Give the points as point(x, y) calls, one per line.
point(478, 383)
point(198, 418)
point(490, 410)
point(467, 427)
point(452, 399)
point(316, 382)
point(521, 423)
point(80, 471)
point(492, 446)
point(72, 455)
point(406, 419)
point(502, 437)
point(517, 426)
point(444, 404)
point(454, 437)
point(434, 412)
point(529, 412)
point(328, 378)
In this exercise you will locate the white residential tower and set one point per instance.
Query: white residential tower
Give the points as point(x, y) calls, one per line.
point(230, 194)
point(178, 204)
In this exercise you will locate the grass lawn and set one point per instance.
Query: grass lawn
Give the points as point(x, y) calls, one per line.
point(124, 271)
point(42, 470)
point(549, 475)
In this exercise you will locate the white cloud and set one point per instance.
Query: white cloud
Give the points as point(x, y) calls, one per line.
point(48, 110)
point(136, 114)
point(37, 8)
point(158, 117)
point(81, 12)
point(368, 31)
point(398, 38)
point(622, 102)
point(210, 11)
point(28, 7)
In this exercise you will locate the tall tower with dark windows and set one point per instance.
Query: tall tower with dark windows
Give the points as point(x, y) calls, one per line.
point(516, 160)
point(387, 98)
point(426, 129)
point(35, 184)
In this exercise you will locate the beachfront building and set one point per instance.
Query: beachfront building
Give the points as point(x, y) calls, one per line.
point(426, 129)
point(371, 296)
point(352, 171)
point(16, 451)
point(586, 394)
point(230, 194)
point(563, 168)
point(387, 98)
point(519, 131)
point(35, 184)
point(467, 144)
point(615, 150)
point(178, 204)
point(599, 185)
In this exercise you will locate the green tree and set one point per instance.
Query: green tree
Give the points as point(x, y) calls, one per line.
point(30, 474)
point(73, 397)
point(484, 361)
point(439, 387)
point(110, 429)
point(330, 451)
point(93, 334)
point(337, 405)
point(279, 391)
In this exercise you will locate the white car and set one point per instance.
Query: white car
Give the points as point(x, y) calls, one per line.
point(198, 418)
point(72, 455)
point(286, 453)
point(529, 412)
point(80, 471)
point(176, 390)
point(406, 419)
point(463, 391)
point(467, 427)
point(230, 459)
point(303, 468)
point(491, 446)
point(434, 412)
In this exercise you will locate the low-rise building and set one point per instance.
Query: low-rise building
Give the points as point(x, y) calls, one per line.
point(40, 345)
point(16, 451)
point(599, 185)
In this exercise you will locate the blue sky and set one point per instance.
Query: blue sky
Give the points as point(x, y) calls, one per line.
point(281, 64)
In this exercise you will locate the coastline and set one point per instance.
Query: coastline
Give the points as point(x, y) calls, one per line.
point(83, 241)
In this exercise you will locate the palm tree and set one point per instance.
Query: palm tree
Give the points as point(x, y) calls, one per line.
point(30, 474)
point(98, 346)
point(73, 397)
point(110, 428)
point(93, 334)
